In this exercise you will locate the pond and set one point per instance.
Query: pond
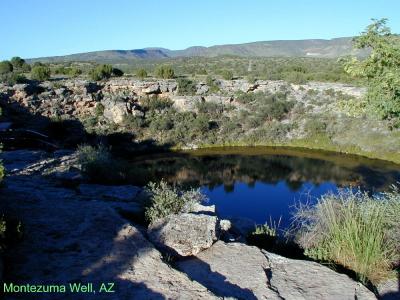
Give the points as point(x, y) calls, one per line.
point(266, 183)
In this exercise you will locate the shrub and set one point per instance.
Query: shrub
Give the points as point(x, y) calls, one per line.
point(214, 88)
point(166, 200)
point(165, 72)
point(13, 78)
point(99, 166)
point(40, 73)
point(155, 103)
point(101, 72)
point(227, 75)
point(141, 73)
point(353, 229)
point(117, 72)
point(5, 67)
point(186, 87)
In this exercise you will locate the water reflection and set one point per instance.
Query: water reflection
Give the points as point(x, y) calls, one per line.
point(257, 184)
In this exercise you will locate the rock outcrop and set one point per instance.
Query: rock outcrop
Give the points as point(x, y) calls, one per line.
point(184, 234)
point(78, 235)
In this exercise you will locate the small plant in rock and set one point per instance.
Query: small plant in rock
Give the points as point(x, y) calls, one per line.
point(166, 200)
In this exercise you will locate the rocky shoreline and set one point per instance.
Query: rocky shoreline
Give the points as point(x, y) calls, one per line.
point(79, 232)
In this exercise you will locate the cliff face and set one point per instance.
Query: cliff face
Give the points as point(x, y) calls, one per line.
point(120, 97)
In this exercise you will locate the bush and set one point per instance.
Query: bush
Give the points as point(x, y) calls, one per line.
point(167, 200)
point(227, 75)
point(155, 103)
point(5, 67)
point(13, 78)
point(99, 166)
point(117, 72)
point(165, 72)
point(355, 230)
point(141, 73)
point(186, 87)
point(101, 72)
point(40, 73)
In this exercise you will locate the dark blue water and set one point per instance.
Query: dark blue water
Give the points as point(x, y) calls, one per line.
point(263, 202)
point(265, 184)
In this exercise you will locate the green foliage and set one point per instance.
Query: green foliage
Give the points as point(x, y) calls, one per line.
point(210, 81)
point(381, 69)
point(155, 103)
point(13, 78)
point(17, 62)
point(5, 67)
point(99, 110)
point(141, 73)
point(355, 230)
point(40, 73)
point(186, 87)
point(165, 72)
point(227, 74)
point(167, 200)
point(101, 72)
point(117, 72)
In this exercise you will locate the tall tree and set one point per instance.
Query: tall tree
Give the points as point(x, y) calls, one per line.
point(381, 69)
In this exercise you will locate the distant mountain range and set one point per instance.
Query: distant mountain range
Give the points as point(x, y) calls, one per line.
point(332, 48)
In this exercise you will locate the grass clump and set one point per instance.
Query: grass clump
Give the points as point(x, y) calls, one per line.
point(355, 230)
point(166, 200)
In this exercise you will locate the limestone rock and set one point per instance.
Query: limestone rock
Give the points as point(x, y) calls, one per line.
point(185, 103)
point(184, 234)
point(231, 270)
point(298, 279)
point(124, 193)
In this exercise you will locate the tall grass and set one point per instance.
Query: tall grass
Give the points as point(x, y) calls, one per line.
point(355, 230)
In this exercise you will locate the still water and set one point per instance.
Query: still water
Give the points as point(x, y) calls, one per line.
point(264, 183)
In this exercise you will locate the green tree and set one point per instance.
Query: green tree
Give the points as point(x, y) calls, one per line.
point(141, 73)
point(5, 67)
point(381, 69)
point(17, 62)
point(40, 73)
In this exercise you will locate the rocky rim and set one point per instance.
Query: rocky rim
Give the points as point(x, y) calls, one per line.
point(76, 232)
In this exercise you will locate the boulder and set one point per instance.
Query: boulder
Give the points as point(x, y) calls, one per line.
point(185, 103)
point(299, 279)
point(115, 110)
point(224, 100)
point(124, 193)
point(184, 234)
point(231, 270)
point(152, 89)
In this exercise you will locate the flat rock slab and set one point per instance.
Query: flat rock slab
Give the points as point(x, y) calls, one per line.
point(68, 239)
point(232, 270)
point(299, 279)
point(123, 193)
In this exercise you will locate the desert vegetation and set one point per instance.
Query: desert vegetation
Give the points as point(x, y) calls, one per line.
point(355, 230)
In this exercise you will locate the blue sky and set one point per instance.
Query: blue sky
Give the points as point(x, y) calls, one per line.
point(34, 28)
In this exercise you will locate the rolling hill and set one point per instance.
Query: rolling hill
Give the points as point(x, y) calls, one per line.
point(320, 48)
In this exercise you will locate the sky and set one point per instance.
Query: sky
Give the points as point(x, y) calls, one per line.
point(36, 28)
